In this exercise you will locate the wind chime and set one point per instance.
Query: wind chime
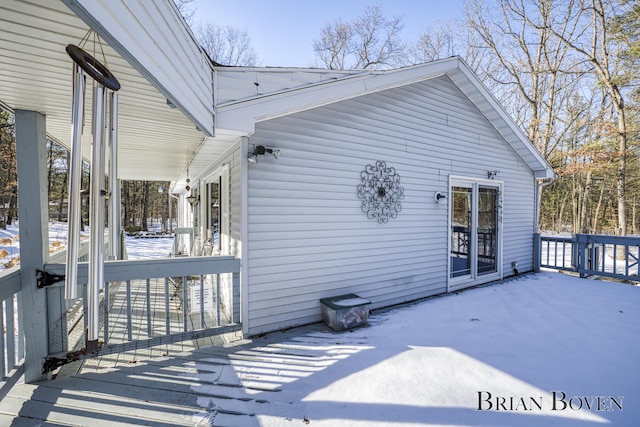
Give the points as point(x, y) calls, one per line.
point(104, 80)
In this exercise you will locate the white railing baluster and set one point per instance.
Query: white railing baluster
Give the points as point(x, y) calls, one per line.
point(202, 324)
point(106, 314)
point(149, 313)
point(185, 301)
point(166, 307)
point(129, 330)
point(218, 300)
point(10, 333)
point(3, 349)
point(20, 328)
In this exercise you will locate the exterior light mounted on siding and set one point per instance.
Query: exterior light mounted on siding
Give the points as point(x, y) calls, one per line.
point(261, 150)
point(440, 196)
point(492, 174)
point(514, 265)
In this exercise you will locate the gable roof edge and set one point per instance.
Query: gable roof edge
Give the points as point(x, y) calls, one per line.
point(493, 110)
point(243, 114)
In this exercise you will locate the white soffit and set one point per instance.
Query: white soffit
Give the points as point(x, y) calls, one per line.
point(156, 141)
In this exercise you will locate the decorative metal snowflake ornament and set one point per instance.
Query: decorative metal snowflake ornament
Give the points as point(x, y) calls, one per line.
point(380, 192)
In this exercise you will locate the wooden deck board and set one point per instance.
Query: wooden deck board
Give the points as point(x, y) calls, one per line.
point(76, 406)
point(163, 391)
point(234, 384)
point(221, 380)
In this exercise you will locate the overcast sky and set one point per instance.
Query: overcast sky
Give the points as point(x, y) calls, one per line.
point(282, 31)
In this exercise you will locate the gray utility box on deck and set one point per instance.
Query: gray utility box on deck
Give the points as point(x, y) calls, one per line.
point(345, 311)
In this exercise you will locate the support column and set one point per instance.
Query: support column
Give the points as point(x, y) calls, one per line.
point(537, 252)
point(31, 149)
point(115, 203)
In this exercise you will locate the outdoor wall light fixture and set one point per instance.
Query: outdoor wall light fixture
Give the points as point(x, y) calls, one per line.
point(514, 265)
point(261, 150)
point(492, 174)
point(440, 196)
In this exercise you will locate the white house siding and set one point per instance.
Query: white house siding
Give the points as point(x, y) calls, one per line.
point(307, 236)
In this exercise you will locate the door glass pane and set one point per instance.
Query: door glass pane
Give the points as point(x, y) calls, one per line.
point(214, 213)
point(461, 203)
point(487, 229)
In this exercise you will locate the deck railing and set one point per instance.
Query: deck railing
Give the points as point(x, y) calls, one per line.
point(12, 344)
point(164, 300)
point(555, 252)
point(590, 255)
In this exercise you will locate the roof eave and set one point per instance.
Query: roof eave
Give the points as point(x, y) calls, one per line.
point(501, 120)
point(243, 115)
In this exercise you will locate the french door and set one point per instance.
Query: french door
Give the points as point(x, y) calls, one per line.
point(475, 232)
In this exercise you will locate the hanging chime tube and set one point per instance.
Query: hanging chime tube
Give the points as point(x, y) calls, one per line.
point(114, 182)
point(74, 212)
point(102, 175)
point(96, 216)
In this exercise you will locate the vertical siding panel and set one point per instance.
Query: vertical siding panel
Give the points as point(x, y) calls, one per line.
point(308, 238)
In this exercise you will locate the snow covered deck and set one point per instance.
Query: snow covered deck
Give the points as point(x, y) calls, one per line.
point(545, 349)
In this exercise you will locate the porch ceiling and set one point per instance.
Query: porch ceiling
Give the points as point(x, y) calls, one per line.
point(156, 141)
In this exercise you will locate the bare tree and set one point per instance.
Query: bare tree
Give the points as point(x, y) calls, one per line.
point(371, 41)
point(567, 68)
point(454, 38)
point(186, 8)
point(536, 65)
point(600, 53)
point(333, 48)
point(226, 45)
point(8, 173)
point(435, 43)
point(377, 41)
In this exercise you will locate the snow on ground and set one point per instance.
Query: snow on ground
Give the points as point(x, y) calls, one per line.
point(539, 350)
point(9, 246)
point(159, 247)
point(10, 242)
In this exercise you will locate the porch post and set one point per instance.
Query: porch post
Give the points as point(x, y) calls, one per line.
point(31, 156)
point(244, 243)
point(537, 252)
